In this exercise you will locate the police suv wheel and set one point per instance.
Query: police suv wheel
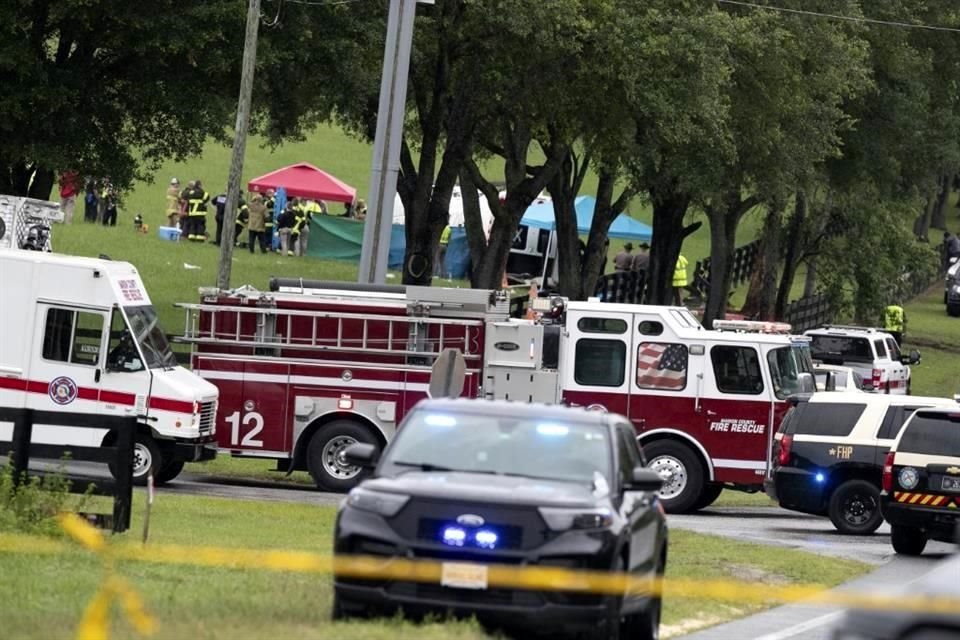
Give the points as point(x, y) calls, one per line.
point(325, 455)
point(907, 541)
point(854, 508)
point(682, 473)
point(953, 310)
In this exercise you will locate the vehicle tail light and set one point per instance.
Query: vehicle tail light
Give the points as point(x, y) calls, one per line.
point(887, 480)
point(783, 455)
point(876, 374)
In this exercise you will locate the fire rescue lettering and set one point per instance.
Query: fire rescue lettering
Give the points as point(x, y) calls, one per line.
point(737, 425)
point(131, 292)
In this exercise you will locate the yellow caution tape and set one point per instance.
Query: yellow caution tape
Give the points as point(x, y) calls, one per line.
point(94, 625)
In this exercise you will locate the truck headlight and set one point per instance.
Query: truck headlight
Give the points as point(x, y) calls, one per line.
point(565, 519)
point(384, 504)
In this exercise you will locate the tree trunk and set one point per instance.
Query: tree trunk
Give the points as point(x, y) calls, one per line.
point(42, 185)
point(472, 220)
point(761, 298)
point(792, 254)
point(563, 192)
point(604, 211)
point(522, 190)
point(723, 238)
point(669, 208)
point(810, 281)
point(921, 227)
point(488, 274)
point(938, 219)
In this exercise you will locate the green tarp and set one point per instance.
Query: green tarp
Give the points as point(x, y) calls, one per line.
point(335, 238)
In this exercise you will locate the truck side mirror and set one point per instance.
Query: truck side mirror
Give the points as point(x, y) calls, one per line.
point(644, 479)
point(806, 383)
point(360, 454)
point(913, 358)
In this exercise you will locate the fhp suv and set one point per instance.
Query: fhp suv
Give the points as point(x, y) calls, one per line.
point(921, 481)
point(872, 353)
point(829, 453)
point(470, 484)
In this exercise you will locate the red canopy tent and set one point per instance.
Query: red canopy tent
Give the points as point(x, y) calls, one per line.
point(303, 180)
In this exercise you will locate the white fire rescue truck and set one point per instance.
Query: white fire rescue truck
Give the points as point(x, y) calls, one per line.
point(310, 368)
point(80, 335)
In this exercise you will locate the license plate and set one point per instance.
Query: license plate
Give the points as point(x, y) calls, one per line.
point(459, 575)
point(950, 484)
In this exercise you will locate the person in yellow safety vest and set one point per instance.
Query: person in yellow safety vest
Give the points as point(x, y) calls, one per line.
point(679, 279)
point(300, 233)
point(197, 200)
point(895, 322)
point(441, 255)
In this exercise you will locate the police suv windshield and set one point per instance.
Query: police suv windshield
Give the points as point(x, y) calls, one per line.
point(149, 336)
point(501, 445)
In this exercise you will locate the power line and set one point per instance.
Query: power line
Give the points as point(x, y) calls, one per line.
point(834, 16)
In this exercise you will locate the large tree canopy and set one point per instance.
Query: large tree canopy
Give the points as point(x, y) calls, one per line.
point(112, 87)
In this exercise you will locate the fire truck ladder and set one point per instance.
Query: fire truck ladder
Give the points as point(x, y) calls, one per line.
point(224, 326)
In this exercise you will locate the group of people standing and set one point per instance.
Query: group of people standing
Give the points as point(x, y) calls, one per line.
point(627, 261)
point(187, 210)
point(101, 201)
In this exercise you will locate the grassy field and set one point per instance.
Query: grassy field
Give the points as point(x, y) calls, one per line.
point(44, 596)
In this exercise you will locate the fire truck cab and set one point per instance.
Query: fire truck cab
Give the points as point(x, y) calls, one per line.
point(80, 335)
point(309, 368)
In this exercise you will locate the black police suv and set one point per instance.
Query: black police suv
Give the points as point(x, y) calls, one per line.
point(921, 481)
point(472, 484)
point(829, 452)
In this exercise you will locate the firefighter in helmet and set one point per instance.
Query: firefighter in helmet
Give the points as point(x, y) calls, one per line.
point(196, 199)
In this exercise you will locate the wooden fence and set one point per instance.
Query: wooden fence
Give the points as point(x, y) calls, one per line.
point(119, 456)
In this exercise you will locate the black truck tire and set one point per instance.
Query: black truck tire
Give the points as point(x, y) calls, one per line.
point(854, 508)
point(907, 541)
point(329, 472)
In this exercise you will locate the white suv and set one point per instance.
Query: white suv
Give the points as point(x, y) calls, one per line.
point(872, 353)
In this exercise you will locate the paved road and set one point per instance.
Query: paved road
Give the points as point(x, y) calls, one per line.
point(768, 525)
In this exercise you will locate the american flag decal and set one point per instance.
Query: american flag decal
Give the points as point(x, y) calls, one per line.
point(662, 366)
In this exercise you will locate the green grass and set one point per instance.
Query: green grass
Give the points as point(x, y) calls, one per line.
point(937, 337)
point(44, 596)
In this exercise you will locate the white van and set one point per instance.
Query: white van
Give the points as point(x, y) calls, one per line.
point(80, 335)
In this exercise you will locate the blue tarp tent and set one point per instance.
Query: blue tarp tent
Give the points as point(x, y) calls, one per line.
point(624, 227)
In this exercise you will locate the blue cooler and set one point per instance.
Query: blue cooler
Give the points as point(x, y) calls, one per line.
point(169, 233)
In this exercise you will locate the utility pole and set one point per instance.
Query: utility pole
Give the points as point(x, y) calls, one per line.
point(386, 146)
point(239, 144)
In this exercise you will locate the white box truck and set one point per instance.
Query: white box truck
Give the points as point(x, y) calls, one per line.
point(80, 335)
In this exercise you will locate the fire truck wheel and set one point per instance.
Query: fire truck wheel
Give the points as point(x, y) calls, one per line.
point(710, 494)
point(169, 471)
point(325, 455)
point(682, 473)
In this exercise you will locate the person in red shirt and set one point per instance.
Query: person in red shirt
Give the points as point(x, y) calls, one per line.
point(69, 188)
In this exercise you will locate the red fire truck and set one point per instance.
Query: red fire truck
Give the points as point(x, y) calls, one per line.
point(309, 368)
